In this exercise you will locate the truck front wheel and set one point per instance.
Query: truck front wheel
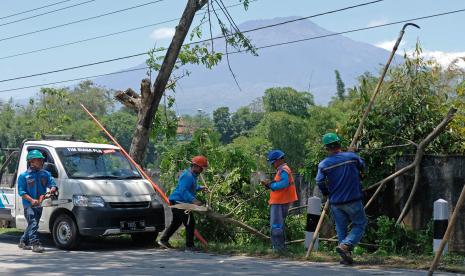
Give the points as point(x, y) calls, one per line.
point(65, 233)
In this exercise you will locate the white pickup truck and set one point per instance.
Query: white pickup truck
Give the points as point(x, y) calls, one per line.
point(100, 193)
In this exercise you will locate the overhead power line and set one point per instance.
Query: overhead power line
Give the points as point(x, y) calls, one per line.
point(75, 67)
point(79, 21)
point(35, 9)
point(49, 12)
point(359, 29)
point(76, 79)
point(240, 51)
point(192, 43)
point(103, 36)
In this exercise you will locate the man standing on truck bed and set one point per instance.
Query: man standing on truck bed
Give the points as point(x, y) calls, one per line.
point(185, 193)
point(32, 184)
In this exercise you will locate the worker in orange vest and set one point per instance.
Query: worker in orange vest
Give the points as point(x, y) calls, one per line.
point(282, 193)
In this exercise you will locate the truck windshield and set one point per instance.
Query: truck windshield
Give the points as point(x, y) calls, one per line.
point(96, 163)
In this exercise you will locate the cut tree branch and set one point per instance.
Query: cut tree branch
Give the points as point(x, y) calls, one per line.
point(245, 201)
point(418, 156)
point(225, 219)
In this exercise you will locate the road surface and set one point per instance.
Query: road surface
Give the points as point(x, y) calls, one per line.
point(119, 257)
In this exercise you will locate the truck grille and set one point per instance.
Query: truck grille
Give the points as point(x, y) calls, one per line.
point(139, 204)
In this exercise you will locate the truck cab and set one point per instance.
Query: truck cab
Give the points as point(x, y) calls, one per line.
point(101, 193)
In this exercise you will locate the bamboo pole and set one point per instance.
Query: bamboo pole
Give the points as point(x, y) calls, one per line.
point(317, 229)
point(378, 86)
point(449, 229)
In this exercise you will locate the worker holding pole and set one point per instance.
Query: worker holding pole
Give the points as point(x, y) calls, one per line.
point(282, 193)
point(185, 193)
point(339, 179)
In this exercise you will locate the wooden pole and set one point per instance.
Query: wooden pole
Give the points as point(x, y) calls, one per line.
point(378, 86)
point(154, 185)
point(450, 227)
point(317, 229)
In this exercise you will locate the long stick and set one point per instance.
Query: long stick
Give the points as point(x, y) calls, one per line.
point(154, 185)
point(332, 240)
point(378, 86)
point(317, 229)
point(360, 125)
point(450, 227)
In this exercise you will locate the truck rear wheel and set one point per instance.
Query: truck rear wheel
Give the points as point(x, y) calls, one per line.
point(65, 233)
point(144, 239)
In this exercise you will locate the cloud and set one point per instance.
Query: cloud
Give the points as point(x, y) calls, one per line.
point(377, 22)
point(443, 58)
point(388, 44)
point(162, 33)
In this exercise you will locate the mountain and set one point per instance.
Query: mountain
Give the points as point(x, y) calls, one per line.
point(304, 66)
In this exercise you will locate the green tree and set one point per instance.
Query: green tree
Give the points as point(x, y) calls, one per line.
point(244, 120)
point(222, 124)
point(340, 86)
point(287, 99)
point(121, 125)
point(286, 132)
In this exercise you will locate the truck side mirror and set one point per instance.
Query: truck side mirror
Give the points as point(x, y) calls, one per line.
point(51, 168)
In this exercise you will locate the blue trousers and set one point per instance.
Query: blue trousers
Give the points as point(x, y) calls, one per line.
point(343, 215)
point(277, 220)
point(32, 216)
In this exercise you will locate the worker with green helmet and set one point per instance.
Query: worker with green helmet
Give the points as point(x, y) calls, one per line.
point(32, 185)
point(339, 179)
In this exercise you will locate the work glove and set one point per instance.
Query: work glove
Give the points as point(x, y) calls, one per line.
point(266, 184)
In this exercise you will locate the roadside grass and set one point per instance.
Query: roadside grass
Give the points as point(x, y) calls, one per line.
point(11, 231)
point(450, 262)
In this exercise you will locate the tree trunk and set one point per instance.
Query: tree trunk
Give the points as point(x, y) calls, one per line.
point(419, 156)
point(150, 101)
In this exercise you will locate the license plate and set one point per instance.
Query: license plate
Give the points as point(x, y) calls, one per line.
point(132, 225)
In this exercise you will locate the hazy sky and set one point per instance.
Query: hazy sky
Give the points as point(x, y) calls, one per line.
point(441, 37)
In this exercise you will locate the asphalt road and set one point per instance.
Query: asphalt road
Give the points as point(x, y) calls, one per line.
point(119, 257)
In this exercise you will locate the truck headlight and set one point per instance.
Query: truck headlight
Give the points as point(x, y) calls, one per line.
point(88, 201)
point(154, 200)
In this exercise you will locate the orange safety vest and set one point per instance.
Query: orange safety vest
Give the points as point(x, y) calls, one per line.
point(286, 195)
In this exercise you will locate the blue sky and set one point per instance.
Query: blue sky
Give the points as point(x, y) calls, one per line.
point(440, 37)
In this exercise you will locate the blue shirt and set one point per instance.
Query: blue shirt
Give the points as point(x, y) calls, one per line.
point(34, 183)
point(186, 188)
point(281, 184)
point(339, 177)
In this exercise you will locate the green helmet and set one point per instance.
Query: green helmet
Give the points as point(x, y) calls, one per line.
point(330, 138)
point(34, 154)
